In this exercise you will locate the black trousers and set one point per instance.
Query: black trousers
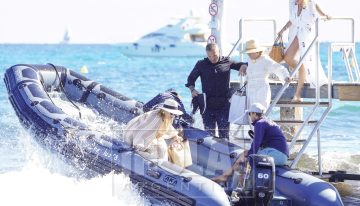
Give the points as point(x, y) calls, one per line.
point(217, 117)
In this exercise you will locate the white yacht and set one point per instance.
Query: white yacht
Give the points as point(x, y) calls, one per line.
point(187, 37)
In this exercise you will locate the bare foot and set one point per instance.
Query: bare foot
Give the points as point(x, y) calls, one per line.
point(220, 179)
point(297, 99)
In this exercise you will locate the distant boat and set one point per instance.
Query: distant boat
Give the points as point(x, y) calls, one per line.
point(187, 37)
point(66, 38)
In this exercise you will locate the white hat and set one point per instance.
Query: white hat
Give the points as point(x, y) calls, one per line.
point(253, 46)
point(257, 108)
point(171, 106)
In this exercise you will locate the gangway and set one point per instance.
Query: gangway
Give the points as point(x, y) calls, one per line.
point(321, 97)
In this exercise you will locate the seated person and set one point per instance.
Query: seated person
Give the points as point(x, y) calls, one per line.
point(155, 102)
point(268, 140)
point(147, 132)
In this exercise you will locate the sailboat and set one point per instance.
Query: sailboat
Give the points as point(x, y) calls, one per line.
point(66, 38)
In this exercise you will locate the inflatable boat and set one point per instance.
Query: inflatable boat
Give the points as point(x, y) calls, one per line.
point(29, 86)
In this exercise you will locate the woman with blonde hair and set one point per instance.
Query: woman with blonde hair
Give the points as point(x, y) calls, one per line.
point(303, 15)
point(147, 132)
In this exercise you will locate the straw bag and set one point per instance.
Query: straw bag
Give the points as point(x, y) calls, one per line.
point(277, 50)
point(180, 154)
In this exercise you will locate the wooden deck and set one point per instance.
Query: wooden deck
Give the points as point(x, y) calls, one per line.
point(343, 91)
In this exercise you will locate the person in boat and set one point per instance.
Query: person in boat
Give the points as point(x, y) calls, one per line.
point(147, 132)
point(268, 140)
point(159, 99)
point(303, 15)
point(259, 68)
point(214, 72)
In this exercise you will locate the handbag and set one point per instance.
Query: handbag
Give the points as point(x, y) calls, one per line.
point(180, 154)
point(238, 105)
point(278, 50)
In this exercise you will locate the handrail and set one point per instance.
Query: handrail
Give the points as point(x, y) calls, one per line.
point(352, 20)
point(279, 94)
point(241, 25)
point(315, 42)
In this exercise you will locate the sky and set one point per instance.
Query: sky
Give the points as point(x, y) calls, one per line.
point(116, 21)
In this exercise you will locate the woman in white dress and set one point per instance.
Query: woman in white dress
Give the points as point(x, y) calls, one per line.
point(260, 66)
point(147, 132)
point(303, 15)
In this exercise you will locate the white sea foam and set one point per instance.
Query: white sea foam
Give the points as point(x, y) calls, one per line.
point(36, 185)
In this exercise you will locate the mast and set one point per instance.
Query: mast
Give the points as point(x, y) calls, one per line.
point(66, 38)
point(216, 11)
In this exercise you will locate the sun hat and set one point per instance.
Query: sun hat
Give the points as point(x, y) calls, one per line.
point(171, 106)
point(253, 46)
point(257, 108)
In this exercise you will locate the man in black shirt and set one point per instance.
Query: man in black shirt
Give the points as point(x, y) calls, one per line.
point(214, 73)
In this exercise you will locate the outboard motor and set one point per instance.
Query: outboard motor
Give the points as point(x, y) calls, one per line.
point(259, 182)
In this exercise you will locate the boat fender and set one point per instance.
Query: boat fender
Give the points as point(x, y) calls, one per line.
point(56, 121)
point(134, 110)
point(187, 179)
point(101, 96)
point(153, 173)
point(34, 103)
point(200, 141)
point(77, 83)
point(22, 86)
point(233, 155)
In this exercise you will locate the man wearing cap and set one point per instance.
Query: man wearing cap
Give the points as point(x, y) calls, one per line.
point(268, 140)
point(214, 72)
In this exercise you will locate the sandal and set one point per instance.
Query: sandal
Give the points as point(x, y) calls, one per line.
point(296, 99)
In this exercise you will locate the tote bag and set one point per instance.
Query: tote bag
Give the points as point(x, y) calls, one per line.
point(180, 154)
point(277, 50)
point(238, 105)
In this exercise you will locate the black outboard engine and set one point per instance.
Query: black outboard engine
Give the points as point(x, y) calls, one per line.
point(259, 183)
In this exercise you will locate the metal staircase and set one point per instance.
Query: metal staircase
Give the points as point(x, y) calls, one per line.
point(324, 101)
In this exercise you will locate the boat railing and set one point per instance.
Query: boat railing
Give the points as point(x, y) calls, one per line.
point(350, 47)
point(241, 35)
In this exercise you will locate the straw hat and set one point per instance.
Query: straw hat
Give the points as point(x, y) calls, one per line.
point(253, 46)
point(171, 106)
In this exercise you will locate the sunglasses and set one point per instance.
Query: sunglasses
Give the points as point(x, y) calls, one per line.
point(249, 113)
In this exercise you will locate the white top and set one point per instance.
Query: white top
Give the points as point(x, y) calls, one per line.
point(258, 71)
point(302, 27)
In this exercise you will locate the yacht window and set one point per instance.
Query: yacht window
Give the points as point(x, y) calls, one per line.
point(153, 35)
point(197, 37)
point(173, 38)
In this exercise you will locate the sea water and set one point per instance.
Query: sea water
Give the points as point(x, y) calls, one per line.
point(31, 175)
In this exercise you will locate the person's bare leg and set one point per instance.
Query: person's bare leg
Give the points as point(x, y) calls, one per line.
point(297, 96)
point(290, 59)
point(224, 176)
point(227, 173)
